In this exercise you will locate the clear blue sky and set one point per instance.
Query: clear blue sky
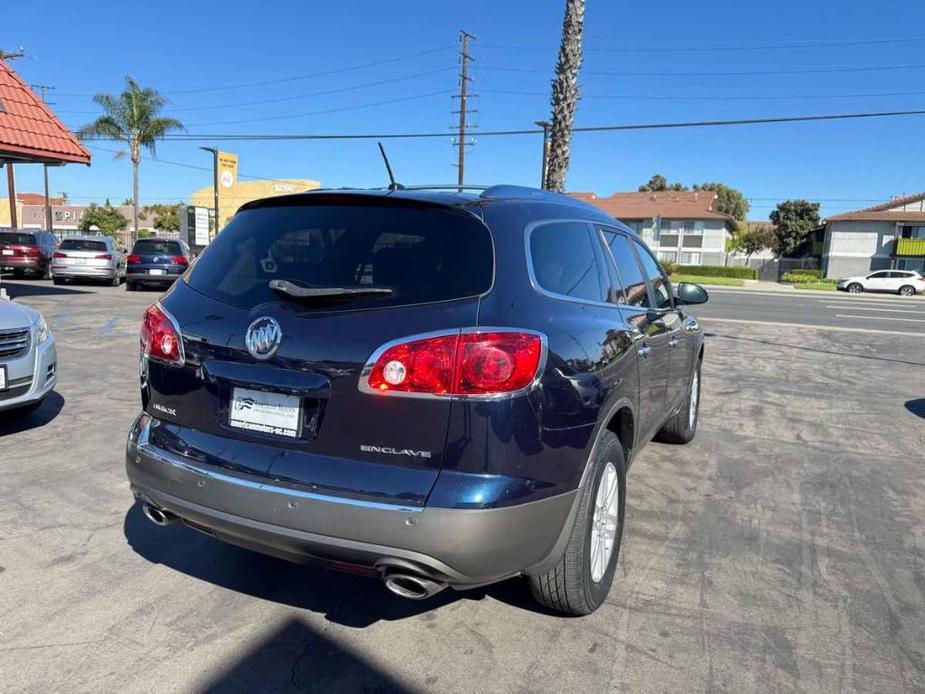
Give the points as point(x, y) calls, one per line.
point(182, 47)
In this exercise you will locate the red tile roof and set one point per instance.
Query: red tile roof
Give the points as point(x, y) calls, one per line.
point(668, 204)
point(886, 212)
point(37, 199)
point(29, 131)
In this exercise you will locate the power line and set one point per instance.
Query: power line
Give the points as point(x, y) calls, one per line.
point(323, 73)
point(503, 133)
point(645, 73)
point(326, 92)
point(711, 97)
point(327, 110)
point(719, 49)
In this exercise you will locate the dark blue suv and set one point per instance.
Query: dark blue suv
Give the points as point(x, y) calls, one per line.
point(434, 387)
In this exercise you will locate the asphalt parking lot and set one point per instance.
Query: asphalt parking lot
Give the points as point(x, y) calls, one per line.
point(782, 550)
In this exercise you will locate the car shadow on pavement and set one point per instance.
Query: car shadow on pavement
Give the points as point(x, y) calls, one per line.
point(18, 290)
point(297, 656)
point(16, 421)
point(355, 601)
point(916, 407)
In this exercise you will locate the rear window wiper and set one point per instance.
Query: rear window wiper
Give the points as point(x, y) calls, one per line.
point(295, 291)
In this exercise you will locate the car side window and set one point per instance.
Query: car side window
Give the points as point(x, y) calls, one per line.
point(661, 288)
point(564, 262)
point(633, 291)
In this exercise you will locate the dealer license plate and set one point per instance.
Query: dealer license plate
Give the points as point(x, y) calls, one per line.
point(157, 272)
point(268, 413)
point(2, 378)
point(7, 251)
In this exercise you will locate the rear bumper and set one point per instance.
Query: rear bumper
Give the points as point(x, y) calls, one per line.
point(43, 366)
point(460, 546)
point(20, 264)
point(83, 271)
point(153, 279)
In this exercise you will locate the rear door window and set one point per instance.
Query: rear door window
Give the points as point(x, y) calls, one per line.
point(82, 245)
point(423, 255)
point(564, 262)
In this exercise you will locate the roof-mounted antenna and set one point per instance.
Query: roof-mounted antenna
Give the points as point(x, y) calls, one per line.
point(388, 167)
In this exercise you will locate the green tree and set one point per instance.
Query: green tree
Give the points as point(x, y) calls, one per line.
point(565, 94)
point(106, 218)
point(127, 201)
point(728, 200)
point(793, 220)
point(131, 117)
point(166, 217)
point(754, 239)
point(658, 183)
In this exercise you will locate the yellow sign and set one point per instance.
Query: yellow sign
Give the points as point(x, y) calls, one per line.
point(227, 170)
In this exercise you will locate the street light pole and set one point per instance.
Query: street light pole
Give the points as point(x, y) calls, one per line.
point(545, 126)
point(214, 181)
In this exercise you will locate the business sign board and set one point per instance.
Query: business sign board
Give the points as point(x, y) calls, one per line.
point(196, 225)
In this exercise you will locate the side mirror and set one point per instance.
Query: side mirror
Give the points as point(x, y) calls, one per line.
point(690, 293)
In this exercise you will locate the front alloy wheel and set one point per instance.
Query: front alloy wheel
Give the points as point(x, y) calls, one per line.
point(907, 291)
point(855, 288)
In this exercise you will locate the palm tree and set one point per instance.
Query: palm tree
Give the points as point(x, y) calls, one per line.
point(131, 117)
point(565, 94)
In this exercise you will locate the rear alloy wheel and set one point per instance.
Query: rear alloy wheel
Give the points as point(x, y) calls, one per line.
point(855, 288)
point(907, 290)
point(682, 427)
point(581, 580)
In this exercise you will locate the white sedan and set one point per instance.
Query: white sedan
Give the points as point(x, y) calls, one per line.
point(28, 359)
point(903, 282)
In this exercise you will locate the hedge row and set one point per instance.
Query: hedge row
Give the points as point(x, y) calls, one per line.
point(743, 273)
point(817, 274)
point(803, 277)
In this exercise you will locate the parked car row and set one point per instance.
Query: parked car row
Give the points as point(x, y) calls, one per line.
point(152, 262)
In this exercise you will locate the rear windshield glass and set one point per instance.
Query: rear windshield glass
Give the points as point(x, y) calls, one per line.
point(82, 245)
point(157, 247)
point(422, 255)
point(16, 237)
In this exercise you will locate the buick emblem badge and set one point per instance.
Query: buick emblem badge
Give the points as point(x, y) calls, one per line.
point(263, 337)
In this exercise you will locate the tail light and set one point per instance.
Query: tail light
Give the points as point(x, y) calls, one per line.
point(103, 256)
point(179, 260)
point(160, 336)
point(59, 254)
point(494, 362)
point(31, 250)
point(133, 259)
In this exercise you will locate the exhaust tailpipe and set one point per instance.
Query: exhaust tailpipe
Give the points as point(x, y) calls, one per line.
point(412, 586)
point(158, 516)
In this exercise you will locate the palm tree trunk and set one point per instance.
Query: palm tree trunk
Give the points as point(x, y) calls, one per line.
point(565, 94)
point(134, 199)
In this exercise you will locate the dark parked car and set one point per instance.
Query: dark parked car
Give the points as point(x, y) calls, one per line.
point(156, 263)
point(26, 252)
point(436, 388)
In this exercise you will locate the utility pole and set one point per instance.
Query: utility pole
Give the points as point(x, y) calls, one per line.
point(463, 95)
point(11, 185)
point(545, 126)
point(48, 223)
point(214, 181)
point(44, 88)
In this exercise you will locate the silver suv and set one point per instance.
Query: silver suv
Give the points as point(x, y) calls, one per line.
point(88, 258)
point(28, 359)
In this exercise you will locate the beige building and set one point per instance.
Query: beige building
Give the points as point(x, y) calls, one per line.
point(241, 192)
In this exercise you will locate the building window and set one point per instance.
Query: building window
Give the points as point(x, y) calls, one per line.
point(689, 258)
point(913, 232)
point(670, 256)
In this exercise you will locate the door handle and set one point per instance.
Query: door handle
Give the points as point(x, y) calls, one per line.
point(673, 341)
point(644, 351)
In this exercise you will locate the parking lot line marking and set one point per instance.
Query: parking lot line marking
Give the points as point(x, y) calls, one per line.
point(907, 320)
point(843, 307)
point(811, 326)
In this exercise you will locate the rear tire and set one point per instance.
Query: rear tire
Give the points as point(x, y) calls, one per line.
point(581, 581)
point(682, 427)
point(130, 286)
point(116, 281)
point(907, 290)
point(855, 288)
point(57, 280)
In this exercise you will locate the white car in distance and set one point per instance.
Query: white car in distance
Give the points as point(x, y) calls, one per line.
point(902, 282)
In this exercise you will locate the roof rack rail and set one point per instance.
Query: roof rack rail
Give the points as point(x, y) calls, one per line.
point(445, 186)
